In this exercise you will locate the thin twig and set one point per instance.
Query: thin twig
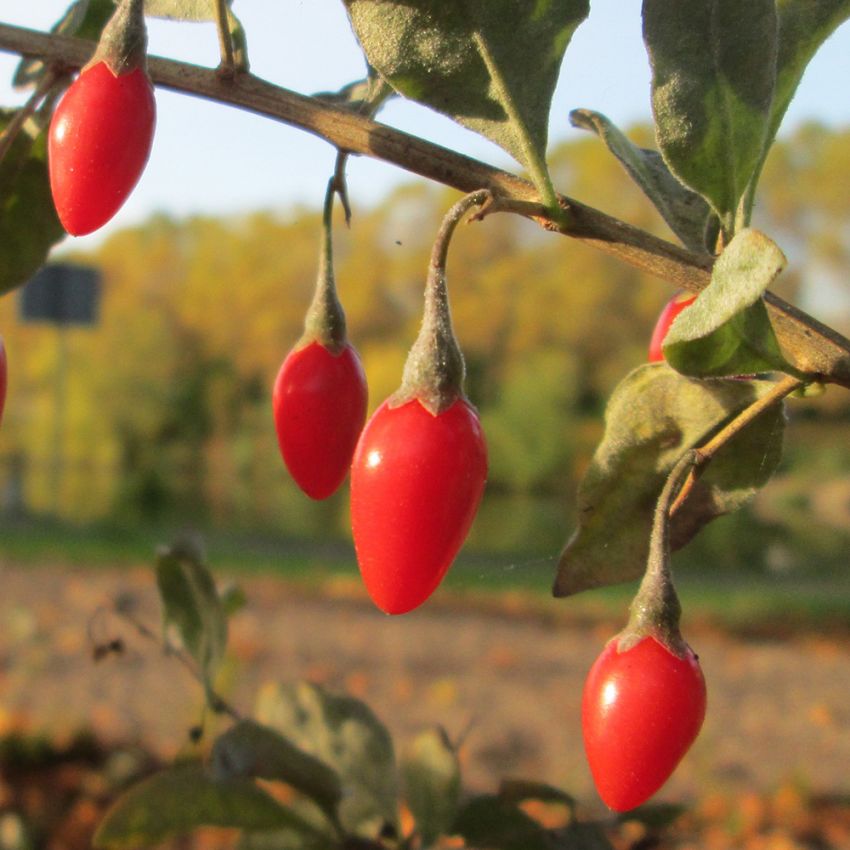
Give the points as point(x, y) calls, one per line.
point(217, 703)
point(813, 347)
point(704, 454)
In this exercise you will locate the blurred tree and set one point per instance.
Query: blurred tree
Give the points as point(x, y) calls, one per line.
point(170, 395)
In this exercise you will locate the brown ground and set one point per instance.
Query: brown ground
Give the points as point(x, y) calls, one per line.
point(778, 717)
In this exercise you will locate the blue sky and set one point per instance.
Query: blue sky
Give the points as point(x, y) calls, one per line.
point(218, 160)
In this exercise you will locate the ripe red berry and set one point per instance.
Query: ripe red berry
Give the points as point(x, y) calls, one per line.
point(416, 482)
point(641, 711)
point(672, 309)
point(319, 404)
point(99, 141)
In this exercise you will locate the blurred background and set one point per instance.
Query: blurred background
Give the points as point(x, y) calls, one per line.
point(158, 414)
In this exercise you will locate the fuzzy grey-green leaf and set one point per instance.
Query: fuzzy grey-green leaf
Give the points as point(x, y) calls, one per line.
point(492, 65)
point(804, 25)
point(519, 790)
point(652, 418)
point(181, 799)
point(249, 749)
point(685, 211)
point(183, 10)
point(432, 783)
point(344, 733)
point(191, 604)
point(727, 331)
point(713, 75)
point(490, 821)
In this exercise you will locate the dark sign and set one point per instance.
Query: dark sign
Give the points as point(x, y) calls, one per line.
point(62, 294)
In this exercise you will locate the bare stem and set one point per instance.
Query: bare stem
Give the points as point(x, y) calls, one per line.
point(440, 249)
point(225, 42)
point(656, 610)
point(325, 319)
point(8, 136)
point(704, 454)
point(434, 371)
point(811, 346)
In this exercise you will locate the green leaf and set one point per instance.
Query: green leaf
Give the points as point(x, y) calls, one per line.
point(83, 19)
point(686, 212)
point(249, 749)
point(192, 606)
point(183, 10)
point(203, 11)
point(432, 782)
point(519, 790)
point(654, 815)
point(233, 600)
point(29, 227)
point(713, 74)
point(583, 836)
point(727, 331)
point(652, 418)
point(490, 821)
point(804, 25)
point(181, 799)
point(344, 733)
point(491, 65)
point(287, 839)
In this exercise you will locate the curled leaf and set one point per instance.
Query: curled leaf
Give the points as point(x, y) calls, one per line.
point(652, 418)
point(727, 331)
point(686, 212)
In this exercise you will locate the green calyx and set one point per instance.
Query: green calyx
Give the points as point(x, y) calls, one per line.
point(434, 372)
point(325, 319)
point(656, 610)
point(124, 41)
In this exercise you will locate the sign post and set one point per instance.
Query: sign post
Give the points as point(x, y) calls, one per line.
point(61, 295)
